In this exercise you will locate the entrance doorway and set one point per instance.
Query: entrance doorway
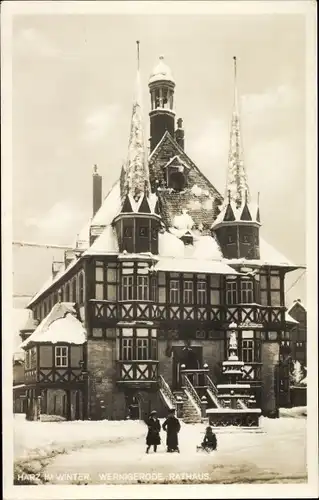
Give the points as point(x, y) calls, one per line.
point(191, 357)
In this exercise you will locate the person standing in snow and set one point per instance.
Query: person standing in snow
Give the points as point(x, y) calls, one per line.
point(153, 437)
point(172, 426)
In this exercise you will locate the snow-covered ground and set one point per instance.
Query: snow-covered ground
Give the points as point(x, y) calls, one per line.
point(114, 452)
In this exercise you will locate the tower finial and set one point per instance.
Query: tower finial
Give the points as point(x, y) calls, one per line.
point(229, 196)
point(258, 197)
point(235, 82)
point(246, 196)
point(138, 54)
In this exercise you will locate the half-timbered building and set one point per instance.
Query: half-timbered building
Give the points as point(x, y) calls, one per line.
point(142, 305)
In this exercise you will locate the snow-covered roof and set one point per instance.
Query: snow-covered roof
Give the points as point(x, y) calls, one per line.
point(30, 325)
point(290, 319)
point(203, 256)
point(104, 244)
point(52, 280)
point(110, 207)
point(161, 72)
point(204, 247)
point(296, 302)
point(189, 265)
point(269, 256)
point(135, 175)
point(60, 325)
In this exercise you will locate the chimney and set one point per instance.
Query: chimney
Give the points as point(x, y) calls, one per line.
point(179, 133)
point(97, 190)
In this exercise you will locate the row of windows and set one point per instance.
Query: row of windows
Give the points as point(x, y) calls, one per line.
point(244, 295)
point(183, 291)
point(246, 238)
point(140, 349)
point(72, 291)
point(143, 232)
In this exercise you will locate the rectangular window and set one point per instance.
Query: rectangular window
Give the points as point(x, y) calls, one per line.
point(246, 292)
point(153, 289)
point(111, 292)
point(264, 298)
point(247, 351)
point(127, 349)
point(275, 298)
point(111, 275)
point(142, 348)
point(188, 295)
point(33, 357)
point(81, 288)
point(201, 293)
point(27, 360)
point(99, 291)
point(74, 287)
point(174, 292)
point(61, 356)
point(231, 292)
point(154, 348)
point(142, 288)
point(275, 282)
point(127, 287)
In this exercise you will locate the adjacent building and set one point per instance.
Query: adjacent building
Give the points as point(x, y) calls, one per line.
point(298, 335)
point(161, 276)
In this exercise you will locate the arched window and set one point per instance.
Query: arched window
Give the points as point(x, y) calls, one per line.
point(67, 292)
point(81, 288)
point(74, 294)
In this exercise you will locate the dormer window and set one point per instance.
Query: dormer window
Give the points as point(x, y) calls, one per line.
point(187, 238)
point(246, 238)
point(230, 238)
point(176, 180)
point(176, 174)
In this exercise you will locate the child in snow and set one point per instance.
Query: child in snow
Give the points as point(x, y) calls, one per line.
point(210, 441)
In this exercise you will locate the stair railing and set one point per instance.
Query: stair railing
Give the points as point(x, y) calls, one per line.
point(211, 385)
point(163, 385)
point(189, 388)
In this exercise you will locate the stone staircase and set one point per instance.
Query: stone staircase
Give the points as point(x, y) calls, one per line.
point(187, 408)
point(191, 414)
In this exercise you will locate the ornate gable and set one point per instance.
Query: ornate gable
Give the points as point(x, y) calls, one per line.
point(199, 197)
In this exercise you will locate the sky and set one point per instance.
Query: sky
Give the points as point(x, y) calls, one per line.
point(72, 88)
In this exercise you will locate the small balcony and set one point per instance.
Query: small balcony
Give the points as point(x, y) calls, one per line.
point(137, 373)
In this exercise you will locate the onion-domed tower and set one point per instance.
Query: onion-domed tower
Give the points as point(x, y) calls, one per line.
point(237, 225)
point(162, 116)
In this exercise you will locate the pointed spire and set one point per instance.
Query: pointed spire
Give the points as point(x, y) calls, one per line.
point(237, 182)
point(135, 173)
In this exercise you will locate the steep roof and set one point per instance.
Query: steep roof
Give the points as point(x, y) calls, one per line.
point(60, 325)
point(200, 198)
point(30, 325)
point(296, 303)
point(135, 175)
point(236, 184)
